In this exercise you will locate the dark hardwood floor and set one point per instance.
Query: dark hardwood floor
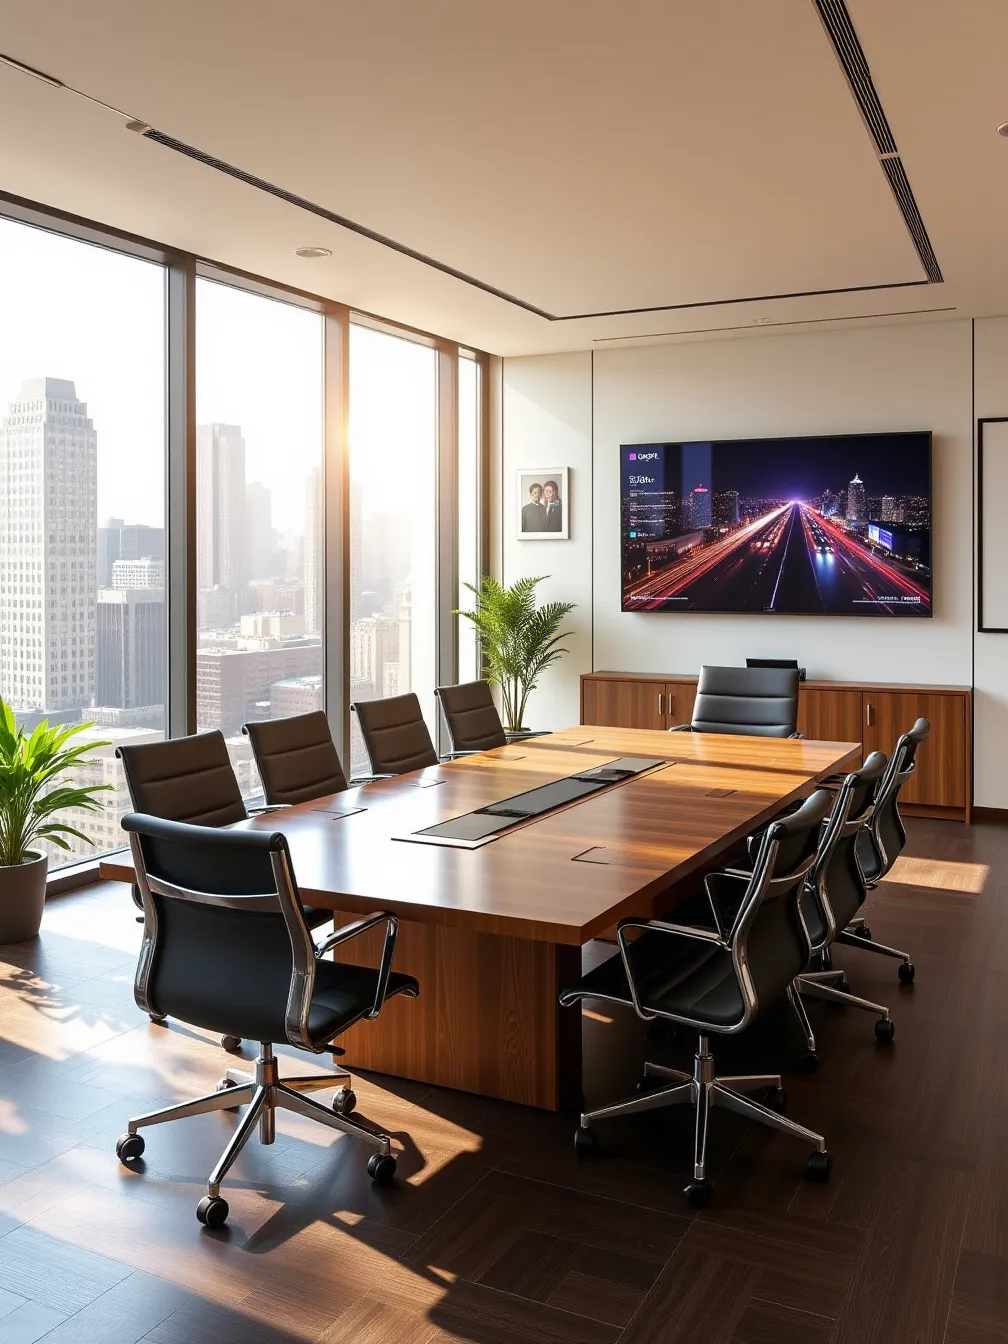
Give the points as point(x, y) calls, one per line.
point(495, 1233)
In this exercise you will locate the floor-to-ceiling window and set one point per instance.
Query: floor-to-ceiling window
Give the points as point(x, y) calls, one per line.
point(469, 392)
point(393, 442)
point(82, 512)
point(259, 514)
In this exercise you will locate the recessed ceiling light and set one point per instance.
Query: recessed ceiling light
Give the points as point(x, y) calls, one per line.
point(140, 127)
point(1003, 129)
point(312, 253)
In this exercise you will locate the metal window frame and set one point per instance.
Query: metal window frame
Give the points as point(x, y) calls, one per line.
point(182, 269)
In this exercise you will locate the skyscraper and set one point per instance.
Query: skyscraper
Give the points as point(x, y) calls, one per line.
point(355, 550)
point(314, 556)
point(48, 548)
point(220, 509)
point(856, 504)
point(700, 507)
point(259, 540)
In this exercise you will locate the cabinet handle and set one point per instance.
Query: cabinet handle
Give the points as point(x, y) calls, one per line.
point(868, 715)
point(659, 704)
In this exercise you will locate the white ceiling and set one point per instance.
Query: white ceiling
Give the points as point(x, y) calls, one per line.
point(580, 155)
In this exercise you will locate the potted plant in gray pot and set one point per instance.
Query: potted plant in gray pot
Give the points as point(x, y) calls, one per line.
point(518, 640)
point(33, 790)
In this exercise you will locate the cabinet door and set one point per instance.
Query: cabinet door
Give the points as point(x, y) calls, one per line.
point(679, 699)
point(623, 704)
point(940, 777)
point(826, 715)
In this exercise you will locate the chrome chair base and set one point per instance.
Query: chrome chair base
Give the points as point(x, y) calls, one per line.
point(703, 1091)
point(263, 1093)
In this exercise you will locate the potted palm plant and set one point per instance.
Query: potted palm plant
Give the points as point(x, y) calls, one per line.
point(519, 640)
point(33, 790)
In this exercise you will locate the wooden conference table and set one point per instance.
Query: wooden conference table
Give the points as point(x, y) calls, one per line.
point(493, 933)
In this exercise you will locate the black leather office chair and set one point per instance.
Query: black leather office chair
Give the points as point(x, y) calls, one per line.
point(226, 947)
point(884, 838)
point(190, 779)
point(833, 894)
point(716, 980)
point(395, 734)
point(296, 758)
point(755, 701)
point(471, 716)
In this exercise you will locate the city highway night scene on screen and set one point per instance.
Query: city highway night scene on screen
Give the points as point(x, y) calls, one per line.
point(835, 526)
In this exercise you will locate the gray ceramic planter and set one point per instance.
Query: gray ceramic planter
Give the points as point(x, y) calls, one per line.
point(22, 898)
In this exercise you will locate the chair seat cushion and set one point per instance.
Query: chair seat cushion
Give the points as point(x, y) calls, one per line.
point(343, 994)
point(675, 975)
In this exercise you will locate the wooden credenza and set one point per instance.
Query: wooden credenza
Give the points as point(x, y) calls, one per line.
point(874, 715)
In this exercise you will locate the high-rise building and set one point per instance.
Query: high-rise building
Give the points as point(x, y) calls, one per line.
point(145, 573)
point(220, 509)
point(856, 503)
point(232, 685)
point(700, 507)
point(725, 509)
point(314, 554)
point(374, 643)
point(131, 647)
point(260, 545)
point(119, 540)
point(48, 548)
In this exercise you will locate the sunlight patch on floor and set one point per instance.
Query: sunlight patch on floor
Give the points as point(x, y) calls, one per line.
point(939, 874)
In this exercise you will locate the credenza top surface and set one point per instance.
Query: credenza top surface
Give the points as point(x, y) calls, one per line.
point(811, 684)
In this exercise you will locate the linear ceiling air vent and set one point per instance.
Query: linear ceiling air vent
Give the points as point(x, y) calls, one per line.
point(849, 52)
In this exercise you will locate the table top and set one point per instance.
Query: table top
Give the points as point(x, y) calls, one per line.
point(564, 877)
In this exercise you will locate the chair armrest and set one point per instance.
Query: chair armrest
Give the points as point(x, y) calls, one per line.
point(682, 728)
point(458, 755)
point(260, 811)
point(524, 737)
point(360, 926)
point(368, 779)
point(659, 926)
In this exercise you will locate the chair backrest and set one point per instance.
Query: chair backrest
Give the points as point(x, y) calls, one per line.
point(769, 942)
point(296, 758)
point(225, 939)
point(471, 716)
point(757, 701)
point(887, 834)
point(836, 885)
point(184, 779)
point(395, 734)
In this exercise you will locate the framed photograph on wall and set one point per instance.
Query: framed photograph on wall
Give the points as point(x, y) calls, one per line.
point(543, 497)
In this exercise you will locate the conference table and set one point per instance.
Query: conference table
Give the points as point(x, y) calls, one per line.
point(494, 932)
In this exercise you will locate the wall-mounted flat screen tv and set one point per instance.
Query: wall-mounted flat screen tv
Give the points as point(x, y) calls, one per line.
point(837, 526)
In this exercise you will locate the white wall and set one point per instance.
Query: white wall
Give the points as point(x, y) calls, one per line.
point(547, 423)
point(578, 409)
point(990, 700)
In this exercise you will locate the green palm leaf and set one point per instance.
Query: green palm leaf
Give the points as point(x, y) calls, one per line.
point(518, 640)
point(35, 771)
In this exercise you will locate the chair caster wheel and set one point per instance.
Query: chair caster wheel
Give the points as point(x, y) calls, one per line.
point(807, 1061)
point(776, 1100)
point(381, 1169)
point(129, 1147)
point(585, 1142)
point(212, 1211)
point(157, 1020)
point(698, 1194)
point(906, 973)
point(885, 1030)
point(863, 931)
point(225, 1085)
point(818, 1166)
point(231, 1044)
point(344, 1101)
